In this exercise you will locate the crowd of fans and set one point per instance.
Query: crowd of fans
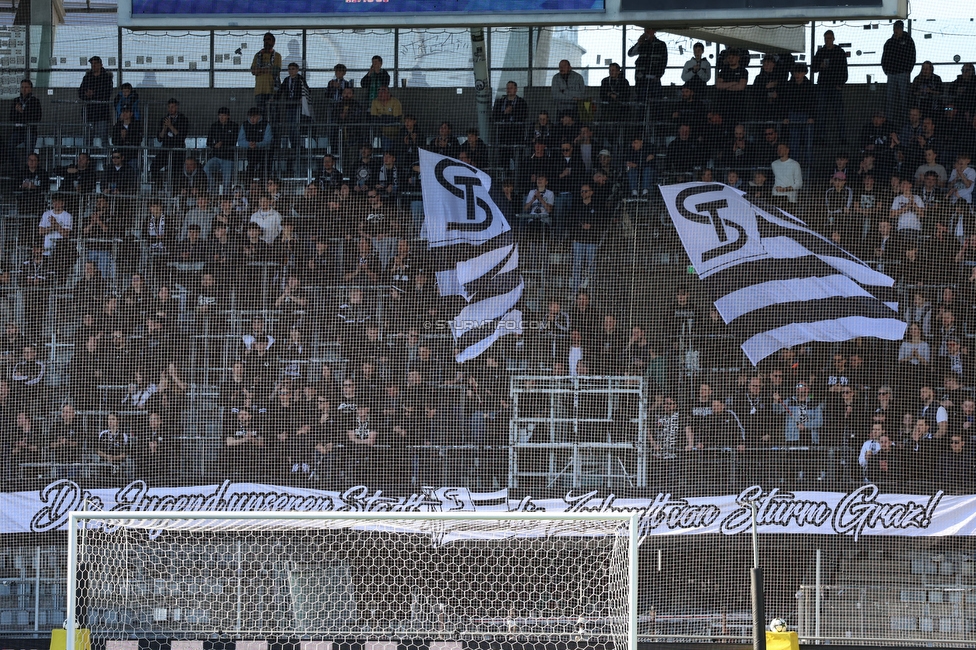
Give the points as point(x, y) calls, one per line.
point(313, 310)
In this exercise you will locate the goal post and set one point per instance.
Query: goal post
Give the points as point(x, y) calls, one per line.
point(370, 576)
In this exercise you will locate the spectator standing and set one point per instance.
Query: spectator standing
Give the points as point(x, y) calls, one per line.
point(615, 93)
point(375, 78)
point(295, 97)
point(587, 228)
point(172, 132)
point(897, 61)
point(830, 64)
point(731, 82)
point(801, 101)
point(652, 60)
point(764, 94)
point(96, 91)
point(25, 110)
point(927, 91)
point(266, 68)
point(568, 89)
point(127, 135)
point(697, 71)
point(509, 114)
point(338, 83)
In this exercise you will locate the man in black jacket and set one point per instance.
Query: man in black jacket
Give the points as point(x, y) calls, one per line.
point(25, 110)
point(652, 60)
point(173, 129)
point(221, 140)
point(96, 89)
point(589, 221)
point(830, 63)
point(509, 114)
point(897, 61)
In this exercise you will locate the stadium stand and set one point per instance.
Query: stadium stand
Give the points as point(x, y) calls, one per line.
point(192, 294)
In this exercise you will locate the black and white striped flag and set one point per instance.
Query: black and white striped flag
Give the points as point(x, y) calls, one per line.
point(776, 283)
point(466, 230)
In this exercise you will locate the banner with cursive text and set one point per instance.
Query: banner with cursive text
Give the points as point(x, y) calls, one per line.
point(865, 511)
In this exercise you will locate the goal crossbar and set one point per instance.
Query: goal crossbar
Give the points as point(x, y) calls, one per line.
point(78, 521)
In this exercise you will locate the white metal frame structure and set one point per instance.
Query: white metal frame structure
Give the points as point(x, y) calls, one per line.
point(552, 446)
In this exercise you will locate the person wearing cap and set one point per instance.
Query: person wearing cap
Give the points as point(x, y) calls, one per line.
point(615, 93)
point(764, 95)
point(800, 97)
point(173, 128)
point(96, 91)
point(897, 62)
point(266, 68)
point(604, 164)
point(652, 61)
point(254, 139)
point(221, 140)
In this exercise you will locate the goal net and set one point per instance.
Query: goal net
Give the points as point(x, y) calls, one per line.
point(354, 576)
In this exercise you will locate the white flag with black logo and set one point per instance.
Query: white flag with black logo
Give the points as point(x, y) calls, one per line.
point(775, 282)
point(473, 252)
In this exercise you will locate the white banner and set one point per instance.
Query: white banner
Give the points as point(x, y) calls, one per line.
point(865, 511)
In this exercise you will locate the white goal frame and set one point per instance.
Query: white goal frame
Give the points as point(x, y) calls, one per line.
point(77, 520)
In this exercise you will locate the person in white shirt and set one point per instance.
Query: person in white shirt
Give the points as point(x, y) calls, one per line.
point(55, 224)
point(907, 211)
point(268, 218)
point(697, 70)
point(540, 200)
point(787, 175)
point(962, 180)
